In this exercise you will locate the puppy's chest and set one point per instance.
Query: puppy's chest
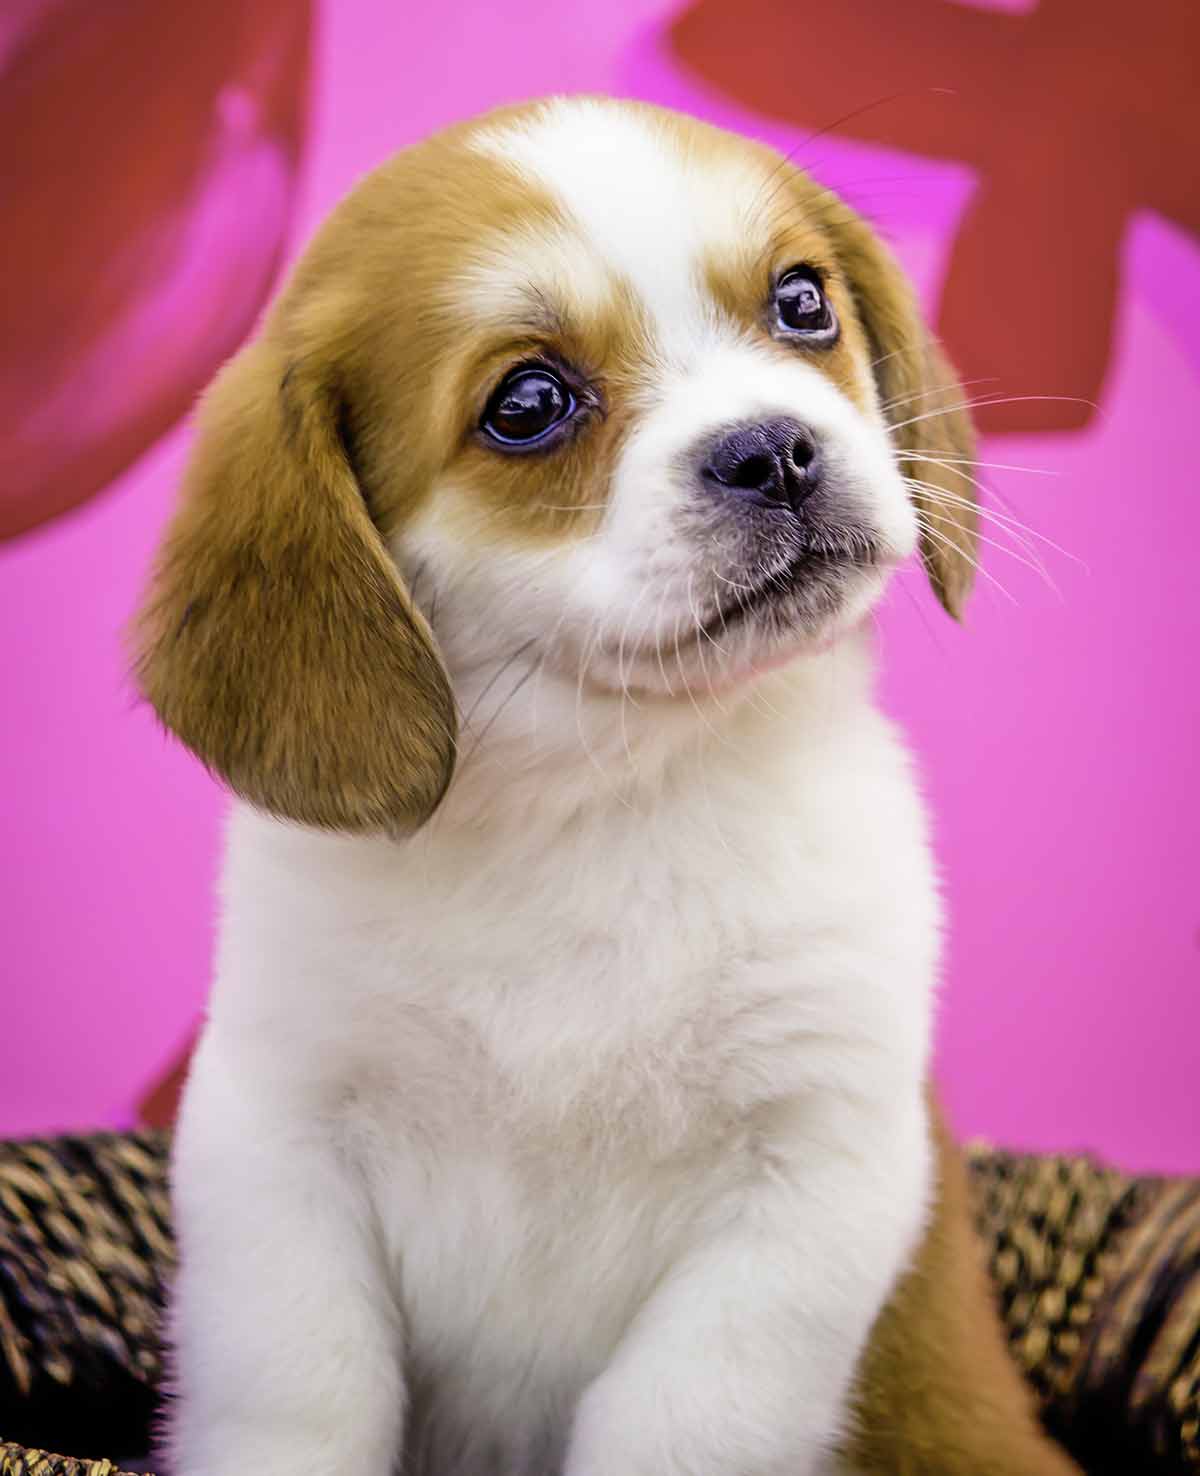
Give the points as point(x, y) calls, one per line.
point(597, 1053)
point(553, 1034)
point(513, 1146)
point(536, 1088)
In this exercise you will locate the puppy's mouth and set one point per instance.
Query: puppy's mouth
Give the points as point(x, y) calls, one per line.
point(820, 565)
point(784, 597)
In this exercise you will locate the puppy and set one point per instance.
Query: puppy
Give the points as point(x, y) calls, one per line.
point(560, 1108)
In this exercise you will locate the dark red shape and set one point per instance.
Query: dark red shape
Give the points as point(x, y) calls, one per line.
point(150, 155)
point(1073, 115)
point(159, 1105)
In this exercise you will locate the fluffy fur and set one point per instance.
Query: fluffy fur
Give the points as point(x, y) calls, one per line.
point(565, 1115)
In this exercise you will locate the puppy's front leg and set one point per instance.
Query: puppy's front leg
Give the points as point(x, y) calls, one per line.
point(740, 1362)
point(286, 1342)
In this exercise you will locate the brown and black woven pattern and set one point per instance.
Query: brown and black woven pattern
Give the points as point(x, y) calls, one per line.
point(1099, 1282)
point(19, 1460)
point(85, 1245)
point(1098, 1277)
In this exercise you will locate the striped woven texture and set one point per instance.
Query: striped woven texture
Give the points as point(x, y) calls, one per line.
point(1097, 1274)
point(17, 1460)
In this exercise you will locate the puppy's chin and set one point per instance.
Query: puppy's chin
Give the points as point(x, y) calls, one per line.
point(744, 641)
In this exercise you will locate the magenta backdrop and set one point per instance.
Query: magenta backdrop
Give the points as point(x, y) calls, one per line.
point(1057, 731)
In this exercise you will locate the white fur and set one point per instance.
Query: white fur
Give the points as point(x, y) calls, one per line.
point(646, 211)
point(582, 1132)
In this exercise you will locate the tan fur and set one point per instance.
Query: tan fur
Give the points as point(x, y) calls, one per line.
point(883, 333)
point(790, 230)
point(917, 385)
point(938, 1393)
point(279, 642)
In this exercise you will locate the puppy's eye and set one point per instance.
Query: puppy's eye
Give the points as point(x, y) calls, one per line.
point(528, 405)
point(802, 308)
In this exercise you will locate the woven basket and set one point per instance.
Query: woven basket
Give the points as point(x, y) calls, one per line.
point(1098, 1277)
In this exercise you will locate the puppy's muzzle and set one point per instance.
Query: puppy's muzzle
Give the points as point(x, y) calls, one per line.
point(776, 463)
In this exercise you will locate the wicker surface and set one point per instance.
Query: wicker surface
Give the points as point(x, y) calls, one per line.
point(1099, 1281)
point(20, 1460)
point(1098, 1277)
point(85, 1247)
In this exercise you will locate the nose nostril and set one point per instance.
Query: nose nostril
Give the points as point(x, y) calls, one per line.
point(803, 453)
point(777, 462)
point(752, 472)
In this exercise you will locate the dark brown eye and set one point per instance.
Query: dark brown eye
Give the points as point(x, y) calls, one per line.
point(802, 308)
point(528, 405)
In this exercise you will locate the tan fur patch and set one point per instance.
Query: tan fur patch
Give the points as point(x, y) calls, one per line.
point(921, 399)
point(278, 641)
point(938, 1392)
point(742, 286)
point(603, 341)
point(883, 340)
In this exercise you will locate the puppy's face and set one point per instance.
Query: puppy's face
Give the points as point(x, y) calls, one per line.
point(619, 394)
point(662, 459)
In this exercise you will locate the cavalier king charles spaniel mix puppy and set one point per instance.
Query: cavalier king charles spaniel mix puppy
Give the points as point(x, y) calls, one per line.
point(561, 1110)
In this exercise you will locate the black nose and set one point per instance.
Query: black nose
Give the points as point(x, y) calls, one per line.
point(777, 462)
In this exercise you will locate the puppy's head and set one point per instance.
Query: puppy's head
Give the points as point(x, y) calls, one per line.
point(584, 385)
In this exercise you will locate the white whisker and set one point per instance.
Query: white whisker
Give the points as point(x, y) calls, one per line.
point(931, 389)
point(658, 643)
point(993, 400)
point(988, 515)
point(589, 650)
point(952, 461)
point(1034, 563)
point(1004, 519)
point(701, 631)
point(687, 686)
point(940, 536)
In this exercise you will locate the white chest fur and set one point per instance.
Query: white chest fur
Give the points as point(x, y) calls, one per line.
point(555, 1051)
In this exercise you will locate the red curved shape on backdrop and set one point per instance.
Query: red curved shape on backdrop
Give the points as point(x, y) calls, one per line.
point(148, 176)
point(1072, 115)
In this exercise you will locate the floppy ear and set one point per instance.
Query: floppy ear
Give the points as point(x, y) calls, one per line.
point(922, 402)
point(277, 639)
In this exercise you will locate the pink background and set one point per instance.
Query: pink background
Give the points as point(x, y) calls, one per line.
point(1057, 731)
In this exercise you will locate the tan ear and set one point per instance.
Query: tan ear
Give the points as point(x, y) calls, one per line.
point(278, 640)
point(922, 401)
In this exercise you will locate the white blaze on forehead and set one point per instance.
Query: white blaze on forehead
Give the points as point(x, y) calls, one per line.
point(651, 209)
point(514, 273)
